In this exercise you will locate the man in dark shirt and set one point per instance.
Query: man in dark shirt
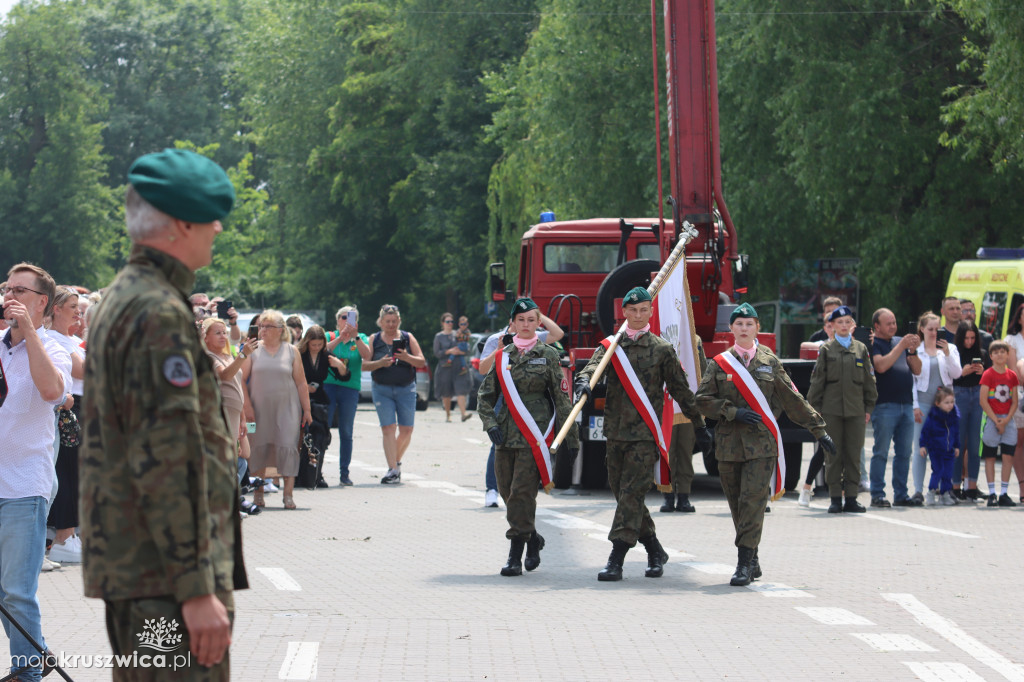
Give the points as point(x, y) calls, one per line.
point(952, 314)
point(968, 312)
point(896, 362)
point(827, 306)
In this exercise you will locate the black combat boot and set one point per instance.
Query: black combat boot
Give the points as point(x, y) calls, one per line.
point(852, 505)
point(657, 557)
point(613, 570)
point(515, 558)
point(670, 503)
point(533, 547)
point(837, 506)
point(742, 575)
point(683, 503)
point(755, 566)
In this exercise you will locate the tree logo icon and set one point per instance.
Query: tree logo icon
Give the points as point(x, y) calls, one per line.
point(159, 635)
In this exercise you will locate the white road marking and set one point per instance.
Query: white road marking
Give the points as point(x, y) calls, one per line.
point(300, 661)
point(880, 516)
point(709, 567)
point(280, 579)
point(779, 590)
point(944, 672)
point(949, 631)
point(668, 550)
point(829, 615)
point(560, 520)
point(892, 641)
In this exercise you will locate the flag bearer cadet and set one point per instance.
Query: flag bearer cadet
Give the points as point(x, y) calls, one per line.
point(645, 366)
point(744, 388)
point(522, 407)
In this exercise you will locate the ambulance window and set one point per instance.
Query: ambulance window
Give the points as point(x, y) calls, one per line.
point(1014, 304)
point(993, 309)
point(648, 252)
point(580, 257)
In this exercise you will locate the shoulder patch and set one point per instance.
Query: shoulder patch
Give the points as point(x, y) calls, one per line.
point(177, 371)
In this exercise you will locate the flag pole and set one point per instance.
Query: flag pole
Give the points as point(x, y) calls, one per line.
point(686, 235)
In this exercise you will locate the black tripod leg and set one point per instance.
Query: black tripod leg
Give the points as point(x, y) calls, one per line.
point(35, 644)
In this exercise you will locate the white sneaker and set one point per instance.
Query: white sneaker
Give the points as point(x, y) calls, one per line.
point(929, 498)
point(49, 565)
point(865, 485)
point(269, 487)
point(68, 552)
point(948, 500)
point(805, 497)
point(491, 498)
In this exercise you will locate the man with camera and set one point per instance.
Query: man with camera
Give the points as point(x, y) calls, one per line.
point(37, 371)
point(160, 503)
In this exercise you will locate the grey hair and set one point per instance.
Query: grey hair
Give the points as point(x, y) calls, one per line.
point(144, 221)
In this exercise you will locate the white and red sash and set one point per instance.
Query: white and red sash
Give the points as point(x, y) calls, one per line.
point(539, 442)
point(638, 396)
point(751, 392)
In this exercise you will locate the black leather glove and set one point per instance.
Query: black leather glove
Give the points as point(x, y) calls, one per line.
point(827, 445)
point(745, 415)
point(704, 438)
point(494, 433)
point(581, 388)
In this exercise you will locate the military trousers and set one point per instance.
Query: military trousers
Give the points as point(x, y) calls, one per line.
point(518, 481)
point(745, 485)
point(630, 476)
point(131, 622)
point(680, 457)
point(842, 470)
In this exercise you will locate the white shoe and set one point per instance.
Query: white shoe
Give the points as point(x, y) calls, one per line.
point(865, 485)
point(948, 500)
point(491, 498)
point(49, 565)
point(269, 487)
point(929, 498)
point(68, 552)
point(805, 497)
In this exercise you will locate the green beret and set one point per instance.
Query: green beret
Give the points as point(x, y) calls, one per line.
point(523, 305)
point(743, 310)
point(184, 185)
point(636, 295)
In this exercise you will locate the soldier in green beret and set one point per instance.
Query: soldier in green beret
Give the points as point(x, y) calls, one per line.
point(633, 446)
point(744, 445)
point(525, 385)
point(160, 503)
point(843, 392)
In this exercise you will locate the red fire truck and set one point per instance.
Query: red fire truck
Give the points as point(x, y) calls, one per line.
point(578, 270)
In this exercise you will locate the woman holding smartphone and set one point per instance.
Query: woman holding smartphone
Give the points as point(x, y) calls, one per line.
point(392, 357)
point(940, 365)
point(973, 361)
point(342, 385)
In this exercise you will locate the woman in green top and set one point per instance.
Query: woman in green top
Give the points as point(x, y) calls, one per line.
point(343, 391)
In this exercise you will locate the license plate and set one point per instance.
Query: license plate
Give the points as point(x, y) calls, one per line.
point(596, 431)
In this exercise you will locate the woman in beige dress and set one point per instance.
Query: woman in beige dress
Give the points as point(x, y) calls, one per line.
point(278, 402)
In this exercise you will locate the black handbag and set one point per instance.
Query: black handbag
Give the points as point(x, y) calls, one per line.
point(70, 430)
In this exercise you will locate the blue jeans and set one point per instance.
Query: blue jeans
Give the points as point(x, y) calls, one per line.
point(243, 465)
point(22, 546)
point(891, 423)
point(395, 403)
point(490, 480)
point(345, 400)
point(970, 433)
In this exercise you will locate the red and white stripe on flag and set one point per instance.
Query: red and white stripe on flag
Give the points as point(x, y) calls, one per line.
point(539, 442)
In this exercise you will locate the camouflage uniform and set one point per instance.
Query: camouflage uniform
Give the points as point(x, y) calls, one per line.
point(631, 451)
point(538, 378)
point(159, 489)
point(843, 391)
point(684, 438)
point(746, 453)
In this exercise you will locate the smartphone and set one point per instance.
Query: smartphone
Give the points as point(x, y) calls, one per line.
point(351, 317)
point(250, 427)
point(222, 309)
point(862, 334)
point(314, 385)
point(976, 361)
point(254, 331)
point(398, 345)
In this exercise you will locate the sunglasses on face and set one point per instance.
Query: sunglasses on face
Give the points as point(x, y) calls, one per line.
point(447, 321)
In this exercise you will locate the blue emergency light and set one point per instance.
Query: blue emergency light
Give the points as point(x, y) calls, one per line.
point(997, 253)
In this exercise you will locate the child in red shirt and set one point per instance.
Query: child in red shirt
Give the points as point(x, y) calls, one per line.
point(999, 401)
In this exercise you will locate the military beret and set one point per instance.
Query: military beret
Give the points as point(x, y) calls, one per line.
point(523, 305)
point(841, 311)
point(636, 295)
point(743, 310)
point(184, 185)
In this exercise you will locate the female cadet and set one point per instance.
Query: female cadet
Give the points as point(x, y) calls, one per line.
point(843, 392)
point(745, 447)
point(527, 377)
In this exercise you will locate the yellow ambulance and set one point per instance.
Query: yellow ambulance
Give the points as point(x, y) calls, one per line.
point(994, 282)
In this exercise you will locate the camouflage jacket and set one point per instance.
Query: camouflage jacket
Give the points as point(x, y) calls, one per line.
point(718, 398)
point(157, 467)
point(842, 383)
point(658, 369)
point(538, 378)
